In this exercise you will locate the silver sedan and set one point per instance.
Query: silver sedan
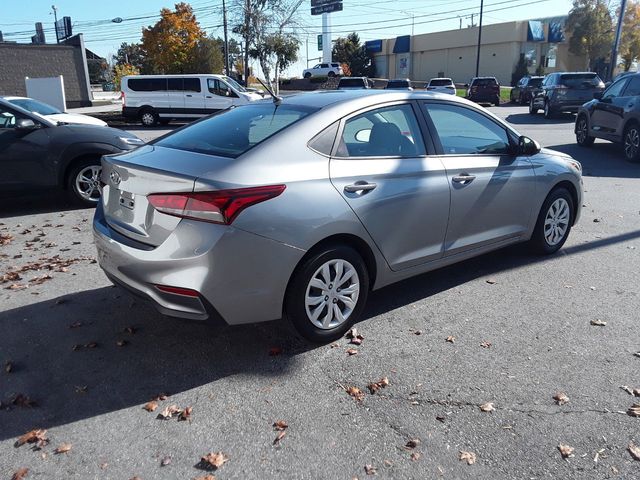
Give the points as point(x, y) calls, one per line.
point(298, 208)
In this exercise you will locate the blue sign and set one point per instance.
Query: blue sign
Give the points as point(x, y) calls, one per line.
point(535, 31)
point(373, 45)
point(403, 44)
point(556, 33)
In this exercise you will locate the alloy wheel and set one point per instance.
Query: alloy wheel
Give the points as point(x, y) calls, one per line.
point(148, 119)
point(87, 183)
point(581, 131)
point(632, 143)
point(556, 222)
point(332, 294)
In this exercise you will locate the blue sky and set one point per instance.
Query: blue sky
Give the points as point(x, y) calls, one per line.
point(372, 19)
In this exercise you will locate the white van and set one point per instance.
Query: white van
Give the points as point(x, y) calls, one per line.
point(157, 99)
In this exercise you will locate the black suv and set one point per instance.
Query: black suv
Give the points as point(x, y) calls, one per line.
point(524, 89)
point(484, 90)
point(565, 92)
point(613, 115)
point(37, 154)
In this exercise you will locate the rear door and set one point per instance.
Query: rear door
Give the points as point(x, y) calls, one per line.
point(194, 101)
point(175, 95)
point(490, 188)
point(400, 194)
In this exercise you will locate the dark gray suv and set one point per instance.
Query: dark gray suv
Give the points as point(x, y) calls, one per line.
point(565, 92)
point(613, 115)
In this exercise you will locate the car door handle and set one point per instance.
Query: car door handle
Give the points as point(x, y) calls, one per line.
point(208, 96)
point(360, 187)
point(464, 178)
point(188, 95)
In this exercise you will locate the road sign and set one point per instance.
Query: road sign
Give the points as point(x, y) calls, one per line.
point(319, 43)
point(317, 3)
point(331, 7)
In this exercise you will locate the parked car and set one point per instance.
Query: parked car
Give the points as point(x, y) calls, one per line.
point(298, 208)
point(484, 90)
point(323, 70)
point(613, 115)
point(354, 83)
point(565, 92)
point(37, 153)
point(399, 84)
point(157, 99)
point(442, 85)
point(524, 89)
point(52, 113)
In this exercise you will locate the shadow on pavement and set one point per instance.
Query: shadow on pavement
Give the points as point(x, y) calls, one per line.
point(538, 119)
point(603, 159)
point(54, 201)
point(163, 355)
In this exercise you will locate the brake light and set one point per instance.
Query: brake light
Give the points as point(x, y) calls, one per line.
point(187, 292)
point(221, 206)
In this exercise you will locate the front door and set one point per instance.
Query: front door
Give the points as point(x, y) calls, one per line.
point(400, 194)
point(219, 96)
point(490, 188)
point(608, 112)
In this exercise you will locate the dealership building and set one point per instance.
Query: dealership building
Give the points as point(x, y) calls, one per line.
point(453, 53)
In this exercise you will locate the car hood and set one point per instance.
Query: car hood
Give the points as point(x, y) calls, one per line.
point(75, 118)
point(554, 153)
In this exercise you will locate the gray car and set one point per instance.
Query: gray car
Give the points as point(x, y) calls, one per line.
point(299, 208)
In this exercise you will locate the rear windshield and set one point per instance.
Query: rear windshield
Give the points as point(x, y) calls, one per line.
point(351, 82)
point(232, 132)
point(440, 82)
point(398, 84)
point(580, 80)
point(535, 82)
point(484, 82)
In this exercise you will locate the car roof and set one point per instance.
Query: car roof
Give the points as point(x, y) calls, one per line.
point(12, 97)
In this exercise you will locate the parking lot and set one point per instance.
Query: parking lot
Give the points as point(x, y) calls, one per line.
point(81, 358)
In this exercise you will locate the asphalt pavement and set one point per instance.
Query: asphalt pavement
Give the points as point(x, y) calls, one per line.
point(80, 358)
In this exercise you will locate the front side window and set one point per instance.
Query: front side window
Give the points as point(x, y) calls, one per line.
point(463, 131)
point(218, 87)
point(7, 119)
point(384, 132)
point(615, 89)
point(633, 89)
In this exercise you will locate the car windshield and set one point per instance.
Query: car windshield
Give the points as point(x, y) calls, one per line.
point(31, 105)
point(484, 82)
point(234, 84)
point(234, 131)
point(440, 82)
point(580, 80)
point(535, 82)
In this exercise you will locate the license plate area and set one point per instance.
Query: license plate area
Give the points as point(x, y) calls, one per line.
point(126, 200)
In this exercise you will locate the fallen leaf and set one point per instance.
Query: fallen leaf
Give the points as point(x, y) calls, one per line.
point(491, 281)
point(280, 425)
point(64, 448)
point(122, 343)
point(215, 460)
point(596, 220)
point(16, 286)
point(485, 344)
point(151, 406)
point(357, 340)
point(441, 418)
point(370, 470)
point(5, 238)
point(334, 345)
point(279, 437)
point(566, 451)
point(20, 474)
point(634, 410)
point(413, 443)
point(418, 332)
point(598, 323)
point(275, 351)
point(561, 398)
point(487, 407)
point(450, 339)
point(469, 457)
point(388, 463)
point(185, 414)
point(634, 450)
point(352, 333)
point(37, 436)
point(169, 412)
point(356, 393)
point(415, 456)
point(205, 477)
point(165, 461)
point(352, 351)
point(8, 366)
point(374, 387)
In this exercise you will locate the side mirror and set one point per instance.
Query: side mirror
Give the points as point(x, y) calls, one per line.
point(26, 124)
point(363, 135)
point(527, 146)
point(597, 95)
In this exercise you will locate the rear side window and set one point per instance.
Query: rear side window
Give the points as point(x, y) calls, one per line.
point(580, 80)
point(147, 84)
point(234, 131)
point(440, 82)
point(175, 84)
point(633, 89)
point(192, 85)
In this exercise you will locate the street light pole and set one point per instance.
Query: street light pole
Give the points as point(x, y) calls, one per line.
point(226, 39)
point(55, 19)
point(616, 43)
point(479, 38)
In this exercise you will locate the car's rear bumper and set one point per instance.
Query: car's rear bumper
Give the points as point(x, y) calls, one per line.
point(566, 105)
point(240, 277)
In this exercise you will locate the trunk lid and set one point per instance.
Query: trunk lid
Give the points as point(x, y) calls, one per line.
point(130, 177)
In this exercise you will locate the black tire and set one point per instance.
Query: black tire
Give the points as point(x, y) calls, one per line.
point(307, 75)
point(331, 74)
point(548, 113)
point(496, 102)
point(631, 143)
point(582, 132)
point(148, 117)
point(539, 242)
point(84, 193)
point(295, 306)
point(532, 110)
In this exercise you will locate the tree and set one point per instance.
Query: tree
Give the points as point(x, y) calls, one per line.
point(278, 50)
point(630, 40)
point(591, 29)
point(172, 43)
point(122, 70)
point(519, 71)
point(132, 54)
point(208, 56)
point(349, 50)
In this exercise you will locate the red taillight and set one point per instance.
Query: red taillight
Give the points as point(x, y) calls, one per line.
point(187, 292)
point(221, 206)
point(122, 97)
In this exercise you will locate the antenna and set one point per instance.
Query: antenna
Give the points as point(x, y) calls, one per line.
point(276, 99)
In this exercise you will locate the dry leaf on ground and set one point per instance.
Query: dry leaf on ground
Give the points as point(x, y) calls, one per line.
point(598, 323)
point(5, 238)
point(485, 344)
point(20, 474)
point(165, 461)
point(468, 457)
point(355, 392)
point(280, 425)
point(37, 436)
point(352, 351)
point(415, 456)
point(634, 450)
point(374, 387)
point(491, 281)
point(450, 339)
point(64, 448)
point(370, 470)
point(566, 451)
point(169, 412)
point(214, 460)
point(413, 443)
point(561, 398)
point(634, 410)
point(185, 414)
point(205, 477)
point(487, 407)
point(279, 437)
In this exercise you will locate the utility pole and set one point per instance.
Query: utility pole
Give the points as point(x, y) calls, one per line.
point(226, 39)
point(616, 43)
point(479, 38)
point(247, 13)
point(55, 19)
